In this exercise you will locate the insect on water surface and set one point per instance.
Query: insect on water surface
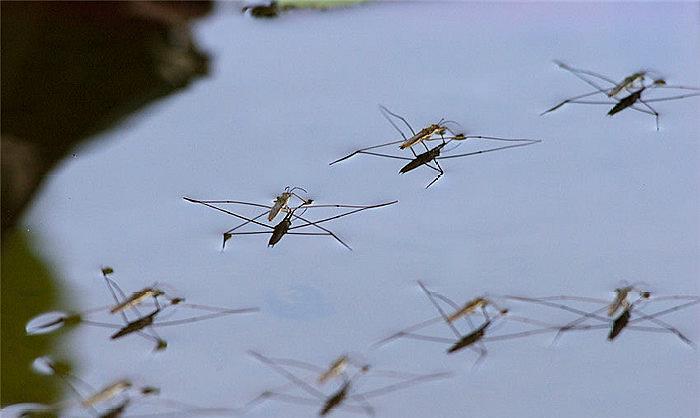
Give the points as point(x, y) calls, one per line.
point(344, 396)
point(112, 400)
point(477, 335)
point(282, 201)
point(618, 314)
point(632, 86)
point(127, 308)
point(338, 366)
point(429, 157)
point(284, 227)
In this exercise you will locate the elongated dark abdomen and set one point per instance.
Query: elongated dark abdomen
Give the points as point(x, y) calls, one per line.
point(469, 339)
point(421, 159)
point(116, 412)
point(279, 231)
point(619, 324)
point(625, 102)
point(134, 326)
point(334, 401)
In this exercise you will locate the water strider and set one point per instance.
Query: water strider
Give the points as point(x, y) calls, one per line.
point(344, 397)
point(282, 201)
point(476, 336)
point(633, 86)
point(284, 227)
point(430, 157)
point(119, 398)
point(606, 315)
point(133, 320)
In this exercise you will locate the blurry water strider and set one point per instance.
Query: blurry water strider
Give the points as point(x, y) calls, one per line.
point(429, 157)
point(344, 397)
point(134, 321)
point(284, 227)
point(477, 335)
point(425, 134)
point(633, 86)
point(606, 316)
point(627, 83)
point(267, 9)
point(338, 367)
point(114, 399)
point(470, 306)
point(621, 294)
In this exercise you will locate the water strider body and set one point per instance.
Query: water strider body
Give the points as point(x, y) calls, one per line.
point(337, 367)
point(424, 158)
point(281, 229)
point(345, 397)
point(117, 411)
point(626, 102)
point(431, 156)
point(470, 338)
point(470, 306)
point(620, 323)
point(285, 227)
point(335, 399)
point(137, 298)
point(475, 338)
point(630, 101)
point(111, 401)
point(282, 201)
point(136, 325)
point(630, 317)
point(634, 97)
point(108, 392)
point(425, 133)
point(628, 82)
point(143, 325)
point(620, 300)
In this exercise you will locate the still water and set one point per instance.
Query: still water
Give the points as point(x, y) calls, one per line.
point(599, 201)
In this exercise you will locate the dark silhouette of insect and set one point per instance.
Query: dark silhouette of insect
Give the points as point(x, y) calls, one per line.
point(284, 227)
point(126, 307)
point(270, 10)
point(631, 313)
point(111, 401)
point(430, 157)
point(344, 396)
point(634, 85)
point(475, 338)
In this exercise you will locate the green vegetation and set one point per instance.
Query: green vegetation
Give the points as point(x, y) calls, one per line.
point(28, 289)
